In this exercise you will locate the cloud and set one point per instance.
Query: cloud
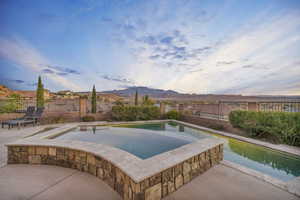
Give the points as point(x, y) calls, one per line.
point(24, 54)
point(124, 86)
point(247, 66)
point(169, 49)
point(154, 57)
point(167, 40)
point(199, 48)
point(222, 63)
point(117, 79)
point(18, 81)
point(48, 71)
point(62, 71)
point(259, 44)
point(150, 40)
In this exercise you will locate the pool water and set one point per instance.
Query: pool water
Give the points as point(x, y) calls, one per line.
point(139, 142)
point(279, 165)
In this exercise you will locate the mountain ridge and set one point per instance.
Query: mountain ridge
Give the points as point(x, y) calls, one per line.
point(171, 94)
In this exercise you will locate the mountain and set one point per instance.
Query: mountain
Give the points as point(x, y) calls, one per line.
point(152, 92)
point(173, 95)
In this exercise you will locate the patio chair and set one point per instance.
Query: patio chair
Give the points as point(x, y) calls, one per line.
point(30, 117)
point(29, 112)
point(18, 123)
point(37, 115)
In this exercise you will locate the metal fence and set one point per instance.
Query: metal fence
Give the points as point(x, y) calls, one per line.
point(279, 106)
point(222, 109)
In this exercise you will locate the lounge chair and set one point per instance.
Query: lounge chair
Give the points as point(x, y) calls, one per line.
point(37, 115)
point(18, 123)
point(30, 117)
point(29, 112)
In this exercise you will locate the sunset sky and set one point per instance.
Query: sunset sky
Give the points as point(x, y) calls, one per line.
point(222, 47)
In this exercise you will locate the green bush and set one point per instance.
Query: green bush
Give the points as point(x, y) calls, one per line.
point(56, 120)
point(13, 103)
point(134, 113)
point(173, 114)
point(285, 127)
point(88, 118)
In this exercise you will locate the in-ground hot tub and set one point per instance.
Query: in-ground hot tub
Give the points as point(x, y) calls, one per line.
point(139, 142)
point(138, 164)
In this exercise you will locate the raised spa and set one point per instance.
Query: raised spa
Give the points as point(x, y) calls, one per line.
point(139, 142)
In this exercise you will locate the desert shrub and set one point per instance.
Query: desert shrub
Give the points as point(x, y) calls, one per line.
point(88, 118)
point(219, 127)
point(173, 114)
point(146, 101)
point(58, 119)
point(12, 104)
point(133, 113)
point(285, 127)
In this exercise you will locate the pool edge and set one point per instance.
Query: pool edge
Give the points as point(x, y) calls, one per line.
point(278, 147)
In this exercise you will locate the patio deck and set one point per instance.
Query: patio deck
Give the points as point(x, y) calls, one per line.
point(50, 182)
point(42, 182)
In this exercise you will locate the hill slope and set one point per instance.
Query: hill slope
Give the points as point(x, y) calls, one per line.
point(4, 91)
point(155, 93)
point(173, 95)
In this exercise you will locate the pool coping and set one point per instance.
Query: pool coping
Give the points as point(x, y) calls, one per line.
point(137, 169)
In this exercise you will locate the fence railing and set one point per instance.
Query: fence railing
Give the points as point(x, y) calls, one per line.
point(211, 116)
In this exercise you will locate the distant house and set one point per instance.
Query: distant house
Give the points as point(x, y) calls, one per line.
point(65, 94)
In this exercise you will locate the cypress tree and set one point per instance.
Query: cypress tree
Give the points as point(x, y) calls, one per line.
point(136, 99)
point(146, 98)
point(94, 100)
point(40, 94)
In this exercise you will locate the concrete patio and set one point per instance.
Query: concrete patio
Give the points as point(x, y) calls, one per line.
point(50, 182)
point(41, 182)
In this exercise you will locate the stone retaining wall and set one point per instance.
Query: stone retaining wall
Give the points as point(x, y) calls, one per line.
point(152, 188)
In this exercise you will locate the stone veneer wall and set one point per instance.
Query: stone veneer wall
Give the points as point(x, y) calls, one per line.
point(153, 188)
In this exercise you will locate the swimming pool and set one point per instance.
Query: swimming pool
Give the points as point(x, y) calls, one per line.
point(147, 140)
point(280, 165)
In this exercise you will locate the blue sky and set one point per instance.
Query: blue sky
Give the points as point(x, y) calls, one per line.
point(191, 46)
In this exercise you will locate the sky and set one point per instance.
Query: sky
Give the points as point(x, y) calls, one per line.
point(249, 47)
